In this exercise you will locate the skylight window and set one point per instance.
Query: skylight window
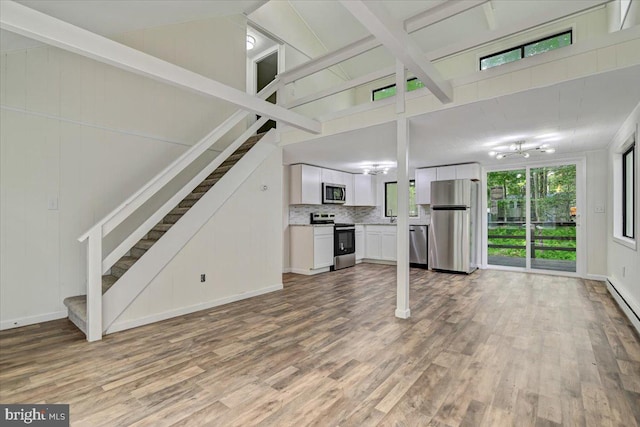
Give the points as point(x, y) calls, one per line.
point(529, 49)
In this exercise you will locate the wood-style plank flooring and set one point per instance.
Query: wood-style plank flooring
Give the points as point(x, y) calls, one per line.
point(491, 349)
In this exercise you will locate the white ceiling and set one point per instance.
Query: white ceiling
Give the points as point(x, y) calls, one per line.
point(575, 116)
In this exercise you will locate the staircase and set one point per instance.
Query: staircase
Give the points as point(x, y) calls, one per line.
point(77, 305)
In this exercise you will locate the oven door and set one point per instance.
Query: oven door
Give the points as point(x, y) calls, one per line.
point(344, 241)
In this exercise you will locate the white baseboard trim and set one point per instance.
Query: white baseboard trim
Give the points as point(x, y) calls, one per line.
point(625, 302)
point(598, 277)
point(403, 314)
point(286, 270)
point(309, 272)
point(130, 324)
point(32, 320)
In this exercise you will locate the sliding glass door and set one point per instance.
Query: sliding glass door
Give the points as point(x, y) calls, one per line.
point(532, 218)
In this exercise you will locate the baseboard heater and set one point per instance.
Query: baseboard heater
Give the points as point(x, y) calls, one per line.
point(625, 301)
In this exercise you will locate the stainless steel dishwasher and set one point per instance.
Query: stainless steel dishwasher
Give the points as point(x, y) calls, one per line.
point(418, 245)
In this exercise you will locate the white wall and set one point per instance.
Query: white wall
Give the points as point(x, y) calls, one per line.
point(239, 250)
point(623, 263)
point(89, 135)
point(597, 172)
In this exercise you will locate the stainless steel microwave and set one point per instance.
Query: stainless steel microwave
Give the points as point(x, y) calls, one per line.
point(333, 193)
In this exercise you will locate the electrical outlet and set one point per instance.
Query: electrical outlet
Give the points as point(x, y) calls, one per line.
point(599, 209)
point(203, 277)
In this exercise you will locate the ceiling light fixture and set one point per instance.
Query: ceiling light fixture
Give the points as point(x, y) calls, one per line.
point(251, 42)
point(516, 149)
point(375, 170)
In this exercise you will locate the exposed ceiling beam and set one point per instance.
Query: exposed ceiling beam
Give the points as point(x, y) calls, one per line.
point(391, 33)
point(487, 8)
point(330, 59)
point(27, 22)
point(349, 84)
point(439, 13)
point(560, 10)
point(431, 16)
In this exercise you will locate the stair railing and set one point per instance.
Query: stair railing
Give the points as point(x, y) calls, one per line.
point(96, 267)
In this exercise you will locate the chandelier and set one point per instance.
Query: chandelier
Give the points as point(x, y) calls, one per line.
point(517, 149)
point(375, 170)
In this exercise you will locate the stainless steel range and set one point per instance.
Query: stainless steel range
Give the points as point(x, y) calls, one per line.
point(344, 240)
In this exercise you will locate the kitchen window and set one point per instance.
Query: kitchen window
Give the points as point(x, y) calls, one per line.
point(525, 50)
point(387, 91)
point(391, 199)
point(628, 193)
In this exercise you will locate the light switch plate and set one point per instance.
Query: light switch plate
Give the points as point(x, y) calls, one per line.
point(52, 203)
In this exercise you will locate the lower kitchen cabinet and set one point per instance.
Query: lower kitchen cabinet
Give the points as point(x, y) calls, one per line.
point(380, 242)
point(360, 249)
point(311, 249)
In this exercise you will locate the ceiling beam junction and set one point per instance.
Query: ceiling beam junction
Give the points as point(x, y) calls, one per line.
point(431, 16)
point(375, 18)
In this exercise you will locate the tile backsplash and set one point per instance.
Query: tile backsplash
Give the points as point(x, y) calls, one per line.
point(299, 214)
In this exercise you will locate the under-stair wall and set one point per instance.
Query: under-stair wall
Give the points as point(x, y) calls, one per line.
point(78, 137)
point(238, 250)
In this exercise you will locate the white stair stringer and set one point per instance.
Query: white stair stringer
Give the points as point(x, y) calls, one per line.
point(116, 300)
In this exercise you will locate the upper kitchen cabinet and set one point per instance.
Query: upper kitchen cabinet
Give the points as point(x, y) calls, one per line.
point(468, 171)
point(364, 190)
point(306, 185)
point(425, 176)
point(423, 185)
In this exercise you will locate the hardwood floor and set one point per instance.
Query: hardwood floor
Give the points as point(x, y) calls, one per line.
point(491, 349)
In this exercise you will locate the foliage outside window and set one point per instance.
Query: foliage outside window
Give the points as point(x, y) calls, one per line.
point(391, 199)
point(628, 193)
point(387, 91)
point(529, 49)
point(553, 212)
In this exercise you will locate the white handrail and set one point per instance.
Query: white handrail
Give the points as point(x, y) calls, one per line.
point(150, 222)
point(116, 216)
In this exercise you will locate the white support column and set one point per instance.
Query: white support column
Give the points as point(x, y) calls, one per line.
point(94, 284)
point(402, 275)
point(402, 232)
point(401, 86)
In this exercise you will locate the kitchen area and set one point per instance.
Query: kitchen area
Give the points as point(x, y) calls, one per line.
point(337, 219)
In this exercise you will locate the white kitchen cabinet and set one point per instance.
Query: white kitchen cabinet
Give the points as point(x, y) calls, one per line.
point(331, 176)
point(373, 239)
point(311, 249)
point(380, 242)
point(468, 171)
point(364, 190)
point(305, 187)
point(322, 247)
point(360, 245)
point(424, 177)
point(389, 244)
point(347, 179)
point(444, 173)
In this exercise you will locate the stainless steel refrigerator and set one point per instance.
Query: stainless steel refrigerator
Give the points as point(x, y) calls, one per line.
point(452, 234)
